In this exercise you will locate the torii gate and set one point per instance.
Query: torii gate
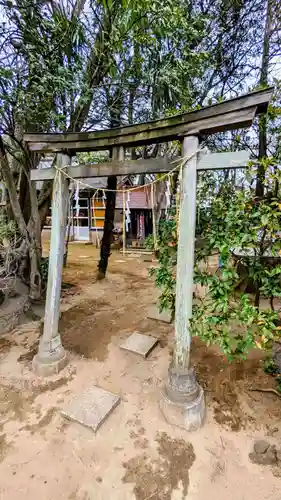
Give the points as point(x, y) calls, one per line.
point(182, 400)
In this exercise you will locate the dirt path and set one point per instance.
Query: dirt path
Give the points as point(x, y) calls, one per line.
point(135, 454)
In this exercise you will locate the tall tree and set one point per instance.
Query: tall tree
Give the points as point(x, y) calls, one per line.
point(153, 73)
point(38, 65)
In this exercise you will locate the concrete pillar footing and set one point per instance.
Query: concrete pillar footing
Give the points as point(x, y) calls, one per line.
point(45, 364)
point(182, 400)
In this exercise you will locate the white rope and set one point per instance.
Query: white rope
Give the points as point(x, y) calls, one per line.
point(182, 161)
point(128, 213)
point(76, 198)
point(167, 176)
point(103, 198)
point(168, 195)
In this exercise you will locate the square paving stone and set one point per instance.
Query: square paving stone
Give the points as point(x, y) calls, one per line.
point(92, 407)
point(139, 344)
point(164, 316)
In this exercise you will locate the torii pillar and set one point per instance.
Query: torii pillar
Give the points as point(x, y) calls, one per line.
point(51, 356)
point(182, 400)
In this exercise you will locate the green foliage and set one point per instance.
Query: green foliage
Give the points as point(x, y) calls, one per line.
point(235, 325)
point(240, 220)
point(231, 218)
point(8, 229)
point(135, 58)
point(92, 157)
point(42, 71)
point(165, 274)
point(149, 242)
point(44, 267)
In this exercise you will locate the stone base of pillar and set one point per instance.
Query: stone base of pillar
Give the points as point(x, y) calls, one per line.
point(45, 364)
point(182, 400)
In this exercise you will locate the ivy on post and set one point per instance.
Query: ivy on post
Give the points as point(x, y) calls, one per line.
point(182, 400)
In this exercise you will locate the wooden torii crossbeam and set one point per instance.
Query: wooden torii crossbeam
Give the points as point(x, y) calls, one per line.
point(212, 161)
point(182, 400)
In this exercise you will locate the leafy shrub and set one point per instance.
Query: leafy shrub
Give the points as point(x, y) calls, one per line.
point(234, 218)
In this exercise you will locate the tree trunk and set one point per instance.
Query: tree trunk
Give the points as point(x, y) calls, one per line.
point(108, 226)
point(262, 120)
point(160, 194)
point(35, 251)
point(35, 274)
point(31, 232)
point(115, 104)
point(23, 196)
point(9, 181)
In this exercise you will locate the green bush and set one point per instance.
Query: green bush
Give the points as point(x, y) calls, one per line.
point(234, 218)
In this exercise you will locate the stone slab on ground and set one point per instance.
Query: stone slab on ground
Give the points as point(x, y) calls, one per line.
point(139, 344)
point(164, 316)
point(92, 407)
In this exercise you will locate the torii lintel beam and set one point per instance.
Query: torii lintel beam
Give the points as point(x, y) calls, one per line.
point(227, 115)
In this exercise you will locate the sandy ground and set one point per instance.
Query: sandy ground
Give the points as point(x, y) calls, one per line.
point(135, 454)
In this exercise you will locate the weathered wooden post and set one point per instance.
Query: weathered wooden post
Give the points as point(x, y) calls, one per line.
point(51, 357)
point(182, 400)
